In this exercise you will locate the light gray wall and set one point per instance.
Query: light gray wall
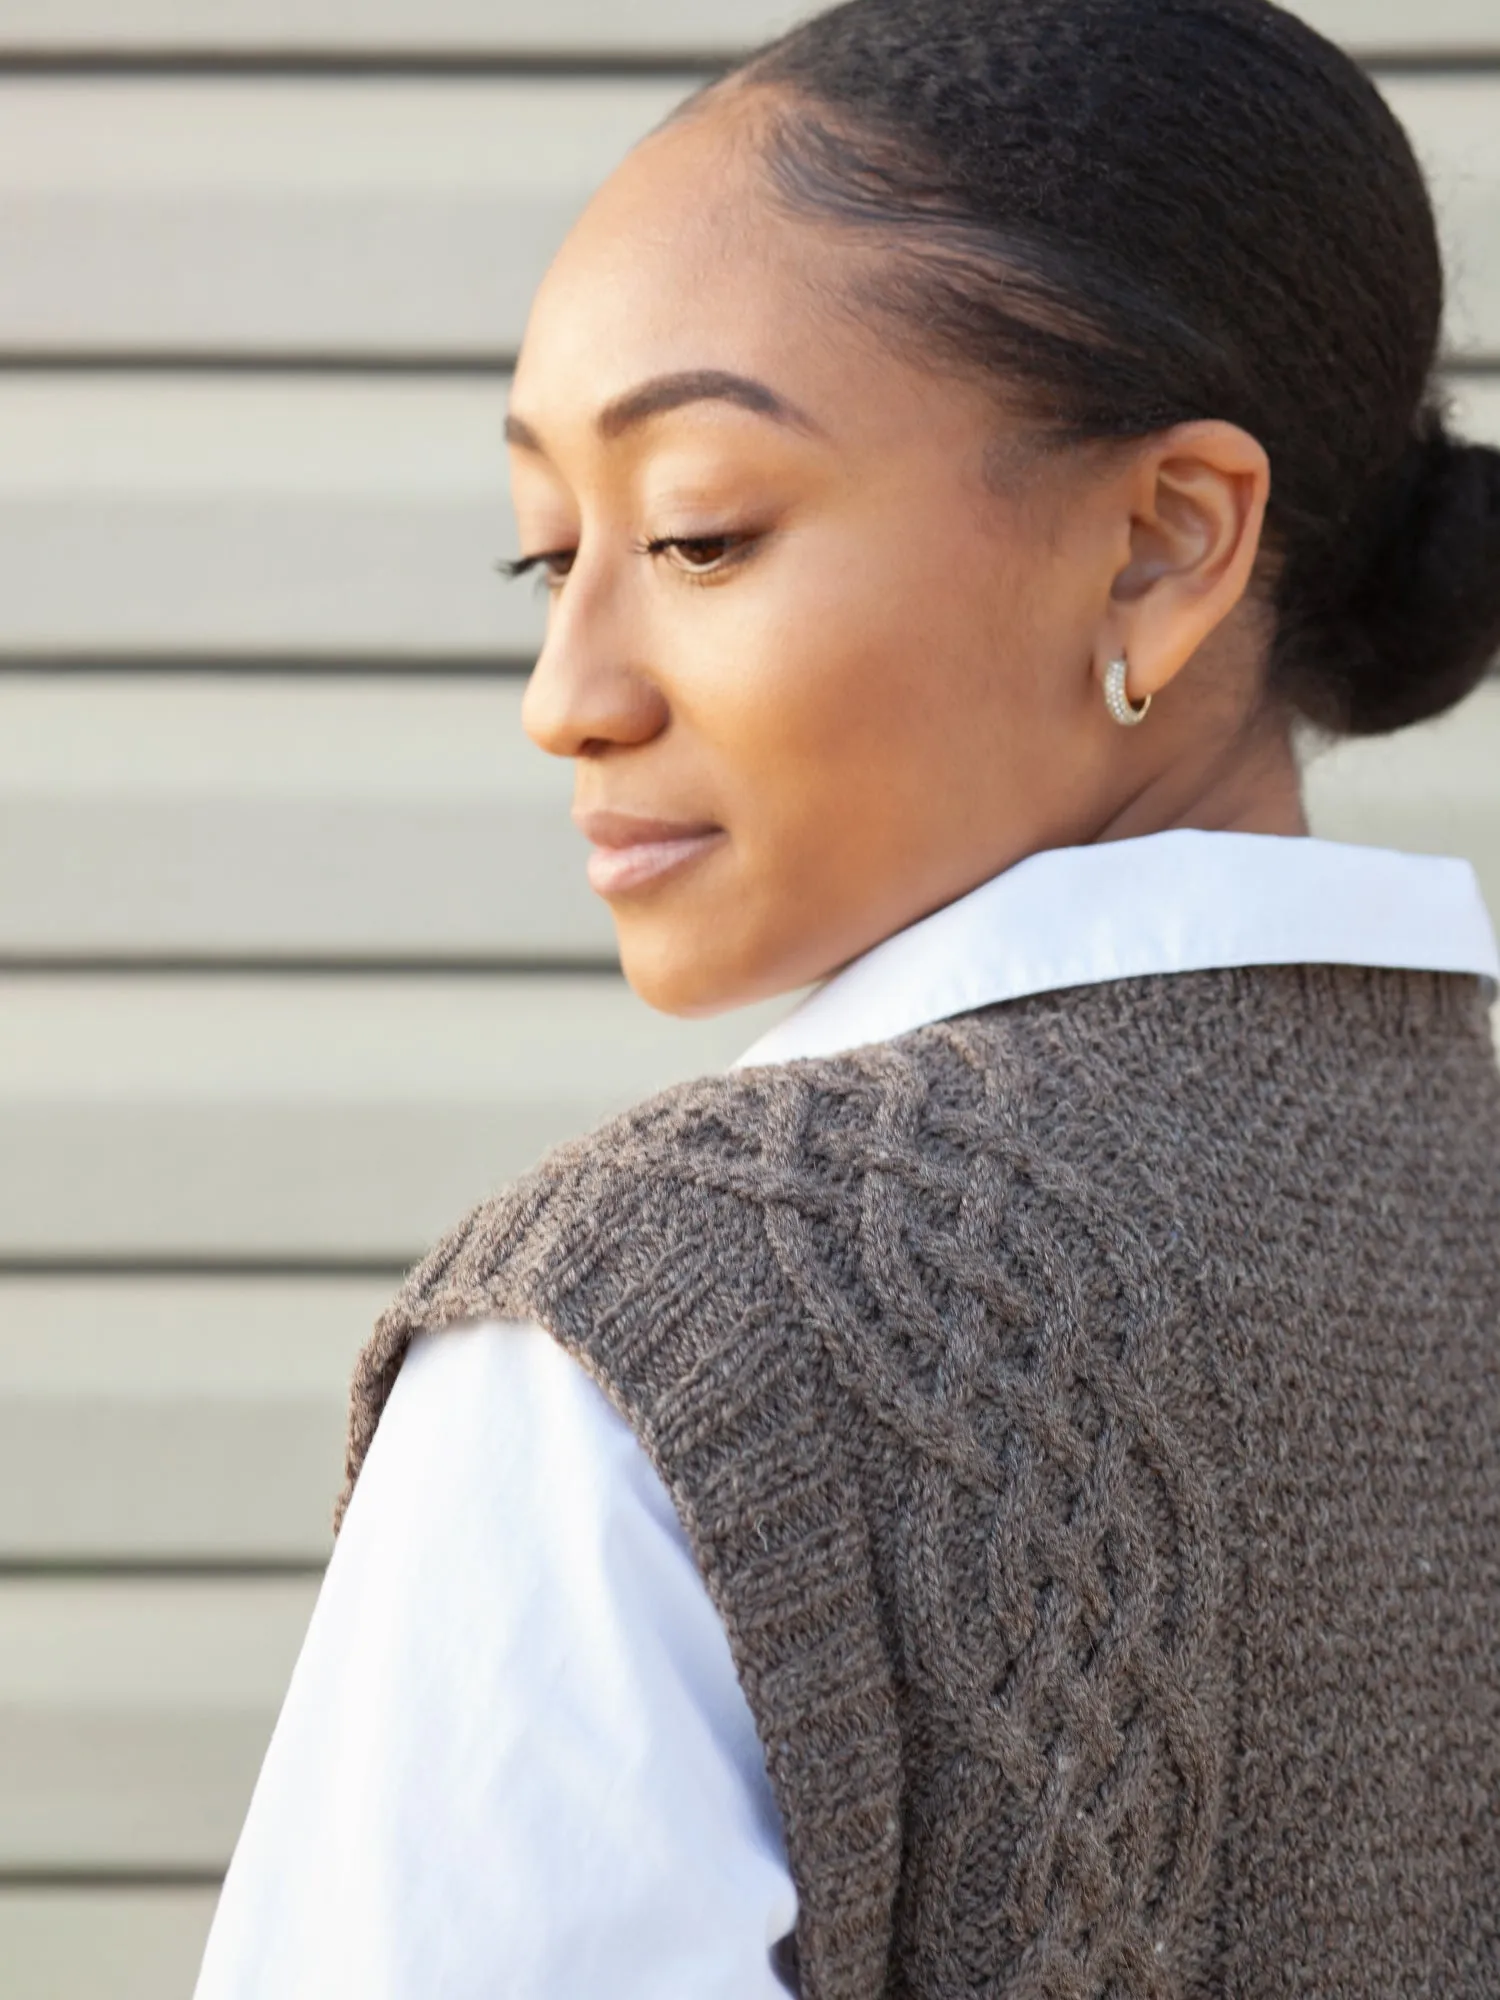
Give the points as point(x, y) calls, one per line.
point(295, 956)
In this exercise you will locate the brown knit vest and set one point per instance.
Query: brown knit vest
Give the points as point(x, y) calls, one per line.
point(1085, 1417)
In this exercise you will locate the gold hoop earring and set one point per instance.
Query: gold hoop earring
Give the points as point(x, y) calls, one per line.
point(1117, 701)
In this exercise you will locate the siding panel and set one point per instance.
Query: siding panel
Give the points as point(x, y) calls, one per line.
point(175, 1420)
point(300, 1118)
point(297, 215)
point(415, 217)
point(1403, 27)
point(63, 1943)
point(589, 28)
point(191, 816)
point(192, 516)
point(133, 1716)
point(1431, 789)
point(584, 28)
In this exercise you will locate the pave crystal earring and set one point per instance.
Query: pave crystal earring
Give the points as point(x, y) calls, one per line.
point(1117, 701)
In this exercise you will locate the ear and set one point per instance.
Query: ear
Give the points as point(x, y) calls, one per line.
point(1198, 506)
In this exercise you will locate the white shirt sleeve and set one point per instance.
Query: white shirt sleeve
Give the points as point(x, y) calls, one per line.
point(514, 1758)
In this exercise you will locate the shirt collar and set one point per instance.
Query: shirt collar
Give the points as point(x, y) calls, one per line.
point(1183, 901)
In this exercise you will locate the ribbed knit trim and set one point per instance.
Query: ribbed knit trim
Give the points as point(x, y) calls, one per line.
point(819, 1683)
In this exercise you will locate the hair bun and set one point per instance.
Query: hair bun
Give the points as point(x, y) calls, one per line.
point(1420, 623)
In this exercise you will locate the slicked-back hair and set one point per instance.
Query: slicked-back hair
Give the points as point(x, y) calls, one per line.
point(1135, 213)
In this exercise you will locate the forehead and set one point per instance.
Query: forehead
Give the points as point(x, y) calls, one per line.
point(682, 260)
point(685, 261)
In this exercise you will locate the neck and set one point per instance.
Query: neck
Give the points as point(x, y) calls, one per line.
point(1250, 785)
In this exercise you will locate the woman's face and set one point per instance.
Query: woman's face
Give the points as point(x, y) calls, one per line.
point(817, 673)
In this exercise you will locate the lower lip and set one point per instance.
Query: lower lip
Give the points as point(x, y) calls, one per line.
point(615, 870)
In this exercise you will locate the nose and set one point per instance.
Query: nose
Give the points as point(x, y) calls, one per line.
point(584, 696)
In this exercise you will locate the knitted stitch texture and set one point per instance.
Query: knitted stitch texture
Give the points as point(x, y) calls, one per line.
point(1084, 1414)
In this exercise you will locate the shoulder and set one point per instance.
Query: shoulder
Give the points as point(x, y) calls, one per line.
point(755, 1193)
point(803, 1134)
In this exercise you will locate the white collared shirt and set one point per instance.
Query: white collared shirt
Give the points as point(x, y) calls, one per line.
point(514, 1760)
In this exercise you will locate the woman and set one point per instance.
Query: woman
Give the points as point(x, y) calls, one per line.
point(997, 1494)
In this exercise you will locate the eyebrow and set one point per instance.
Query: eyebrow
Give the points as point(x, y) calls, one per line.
point(673, 392)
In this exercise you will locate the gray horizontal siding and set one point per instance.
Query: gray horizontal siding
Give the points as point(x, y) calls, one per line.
point(139, 1942)
point(293, 1119)
point(133, 1716)
point(590, 29)
point(256, 216)
point(411, 219)
point(263, 514)
point(169, 1420)
point(186, 816)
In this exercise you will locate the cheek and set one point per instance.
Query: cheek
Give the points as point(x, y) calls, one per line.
point(867, 720)
point(851, 690)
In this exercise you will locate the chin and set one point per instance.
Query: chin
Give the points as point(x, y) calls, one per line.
point(690, 968)
point(674, 981)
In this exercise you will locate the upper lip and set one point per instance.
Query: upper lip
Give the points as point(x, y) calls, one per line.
point(608, 828)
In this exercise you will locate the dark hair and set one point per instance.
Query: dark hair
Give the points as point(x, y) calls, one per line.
point(1145, 211)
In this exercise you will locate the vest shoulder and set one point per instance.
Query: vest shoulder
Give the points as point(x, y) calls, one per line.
point(628, 1198)
point(682, 1164)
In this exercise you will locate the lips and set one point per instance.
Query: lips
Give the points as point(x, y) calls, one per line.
point(631, 850)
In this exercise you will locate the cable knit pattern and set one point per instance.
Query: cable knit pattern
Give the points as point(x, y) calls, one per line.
point(1084, 1416)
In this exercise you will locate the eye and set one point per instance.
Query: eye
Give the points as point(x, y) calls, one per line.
point(699, 555)
point(550, 566)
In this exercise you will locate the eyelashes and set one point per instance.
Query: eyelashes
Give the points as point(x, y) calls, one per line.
point(698, 555)
point(546, 565)
point(698, 558)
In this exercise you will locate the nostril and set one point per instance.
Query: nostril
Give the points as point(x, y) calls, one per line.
point(580, 706)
